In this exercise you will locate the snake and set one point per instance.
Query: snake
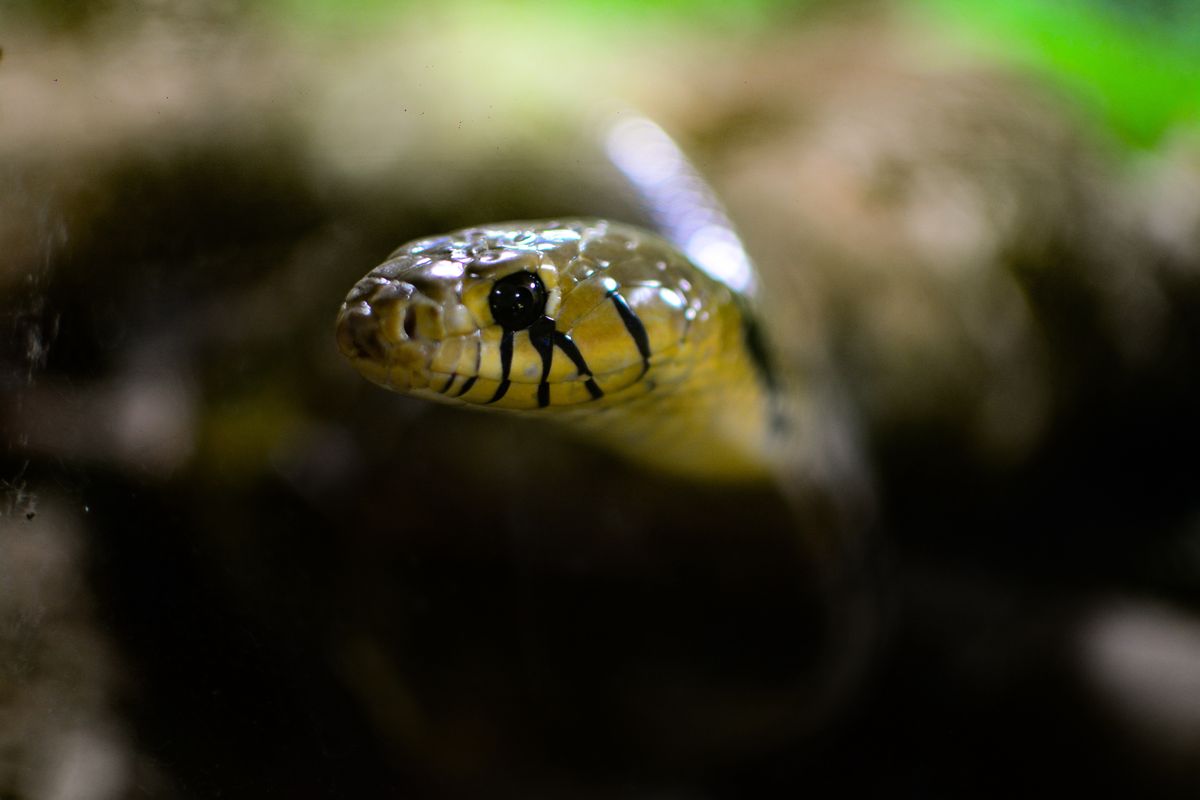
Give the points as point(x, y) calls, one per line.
point(601, 325)
point(659, 349)
point(653, 344)
point(656, 345)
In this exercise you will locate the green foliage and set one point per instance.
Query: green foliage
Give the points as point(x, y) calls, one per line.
point(1136, 63)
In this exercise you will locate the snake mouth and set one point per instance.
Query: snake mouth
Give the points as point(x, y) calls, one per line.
point(393, 364)
point(360, 334)
point(381, 329)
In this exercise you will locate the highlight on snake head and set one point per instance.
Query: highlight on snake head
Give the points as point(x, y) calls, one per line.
point(526, 315)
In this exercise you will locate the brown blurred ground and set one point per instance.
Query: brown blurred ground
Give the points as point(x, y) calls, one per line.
point(230, 567)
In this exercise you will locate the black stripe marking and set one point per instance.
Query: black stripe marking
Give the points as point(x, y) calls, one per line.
point(506, 348)
point(466, 387)
point(760, 356)
point(756, 347)
point(634, 326)
point(449, 382)
point(541, 336)
point(469, 382)
point(564, 342)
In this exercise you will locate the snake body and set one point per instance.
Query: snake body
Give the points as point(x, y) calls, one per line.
point(602, 326)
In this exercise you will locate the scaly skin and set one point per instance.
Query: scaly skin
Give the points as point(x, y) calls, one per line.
point(635, 346)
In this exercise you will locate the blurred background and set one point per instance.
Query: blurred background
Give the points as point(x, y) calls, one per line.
point(229, 567)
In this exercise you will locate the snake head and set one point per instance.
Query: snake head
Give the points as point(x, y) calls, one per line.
point(526, 315)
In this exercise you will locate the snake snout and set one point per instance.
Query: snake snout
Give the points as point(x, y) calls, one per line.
point(385, 343)
point(376, 316)
point(358, 334)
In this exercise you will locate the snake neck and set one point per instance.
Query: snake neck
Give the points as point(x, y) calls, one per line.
point(720, 423)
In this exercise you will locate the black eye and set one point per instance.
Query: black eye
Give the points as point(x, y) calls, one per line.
point(517, 300)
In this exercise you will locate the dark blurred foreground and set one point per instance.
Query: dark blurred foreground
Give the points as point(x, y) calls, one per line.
point(230, 568)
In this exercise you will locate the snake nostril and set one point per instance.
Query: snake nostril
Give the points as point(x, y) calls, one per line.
point(410, 323)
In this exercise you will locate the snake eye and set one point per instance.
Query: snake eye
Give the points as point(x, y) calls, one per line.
point(517, 300)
